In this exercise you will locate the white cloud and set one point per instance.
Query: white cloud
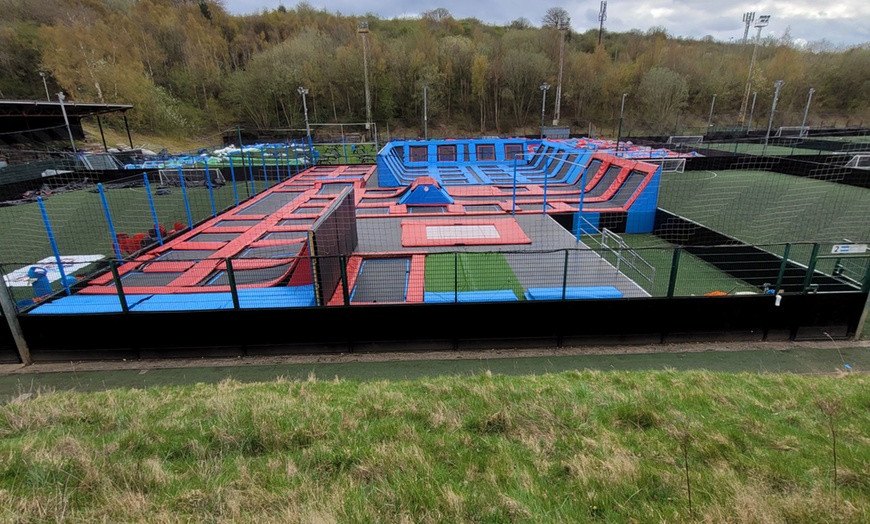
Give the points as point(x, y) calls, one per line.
point(843, 22)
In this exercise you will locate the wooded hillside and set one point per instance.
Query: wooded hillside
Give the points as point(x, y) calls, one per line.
point(190, 67)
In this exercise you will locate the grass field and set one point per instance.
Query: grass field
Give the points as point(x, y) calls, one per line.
point(757, 149)
point(579, 446)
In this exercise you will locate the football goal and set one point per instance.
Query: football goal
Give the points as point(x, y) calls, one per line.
point(861, 161)
point(192, 177)
point(685, 139)
point(792, 131)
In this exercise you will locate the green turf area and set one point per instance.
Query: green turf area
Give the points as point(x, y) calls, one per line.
point(578, 446)
point(758, 149)
point(475, 272)
point(79, 224)
point(694, 276)
point(760, 207)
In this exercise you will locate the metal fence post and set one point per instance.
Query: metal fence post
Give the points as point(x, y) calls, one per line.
point(455, 277)
point(342, 262)
point(811, 268)
point(119, 288)
point(53, 243)
point(782, 267)
point(184, 196)
point(231, 276)
point(210, 189)
point(675, 265)
point(233, 178)
point(115, 245)
point(10, 312)
point(153, 209)
point(565, 276)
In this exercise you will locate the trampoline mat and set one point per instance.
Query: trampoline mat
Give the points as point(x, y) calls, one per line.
point(332, 189)
point(284, 250)
point(382, 280)
point(147, 279)
point(178, 255)
point(286, 235)
point(250, 276)
point(214, 237)
point(269, 204)
point(237, 223)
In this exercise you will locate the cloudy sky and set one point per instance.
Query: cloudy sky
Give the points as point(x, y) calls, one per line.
point(841, 22)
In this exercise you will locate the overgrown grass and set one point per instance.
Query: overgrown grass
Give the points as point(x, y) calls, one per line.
point(573, 447)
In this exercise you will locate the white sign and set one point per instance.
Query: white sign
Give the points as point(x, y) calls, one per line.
point(71, 264)
point(848, 249)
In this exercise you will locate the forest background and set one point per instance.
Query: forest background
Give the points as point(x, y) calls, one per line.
point(191, 68)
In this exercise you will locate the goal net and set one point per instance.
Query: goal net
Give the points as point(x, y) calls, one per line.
point(859, 162)
point(669, 165)
point(685, 139)
point(192, 177)
point(792, 131)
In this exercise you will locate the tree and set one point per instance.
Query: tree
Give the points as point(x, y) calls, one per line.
point(437, 15)
point(556, 17)
point(521, 23)
point(662, 93)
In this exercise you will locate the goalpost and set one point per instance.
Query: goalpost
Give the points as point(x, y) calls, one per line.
point(669, 165)
point(792, 131)
point(685, 139)
point(860, 161)
point(193, 177)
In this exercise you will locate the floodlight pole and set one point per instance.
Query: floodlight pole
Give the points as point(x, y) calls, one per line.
point(563, 28)
point(710, 118)
point(751, 112)
point(45, 85)
point(777, 85)
point(807, 109)
point(763, 20)
point(363, 30)
point(72, 142)
point(425, 113)
point(544, 87)
point(303, 91)
point(619, 132)
point(602, 17)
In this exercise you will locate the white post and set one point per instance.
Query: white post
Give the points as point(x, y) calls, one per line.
point(363, 29)
point(778, 85)
point(425, 114)
point(710, 118)
point(544, 87)
point(72, 142)
point(563, 28)
point(807, 109)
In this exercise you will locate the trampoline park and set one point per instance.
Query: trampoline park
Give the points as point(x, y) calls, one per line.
point(432, 222)
point(455, 243)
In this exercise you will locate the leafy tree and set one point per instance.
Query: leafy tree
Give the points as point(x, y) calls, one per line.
point(662, 93)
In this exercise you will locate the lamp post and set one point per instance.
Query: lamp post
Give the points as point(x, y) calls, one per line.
point(425, 113)
point(619, 132)
point(763, 20)
point(807, 109)
point(563, 28)
point(304, 91)
point(710, 118)
point(777, 85)
point(544, 87)
point(45, 85)
point(751, 112)
point(363, 30)
point(72, 142)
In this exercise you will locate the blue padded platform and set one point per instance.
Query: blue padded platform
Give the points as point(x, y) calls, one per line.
point(500, 295)
point(269, 297)
point(572, 293)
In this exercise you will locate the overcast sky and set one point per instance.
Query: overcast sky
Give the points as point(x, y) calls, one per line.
point(841, 22)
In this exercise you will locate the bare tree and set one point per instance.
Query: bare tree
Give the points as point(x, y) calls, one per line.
point(556, 17)
point(437, 15)
point(521, 23)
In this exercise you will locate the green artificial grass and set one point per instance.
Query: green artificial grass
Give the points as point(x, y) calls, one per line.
point(475, 272)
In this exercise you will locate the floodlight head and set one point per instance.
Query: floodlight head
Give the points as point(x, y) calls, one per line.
point(763, 20)
point(749, 17)
point(61, 96)
point(545, 86)
point(362, 26)
point(42, 74)
point(302, 91)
